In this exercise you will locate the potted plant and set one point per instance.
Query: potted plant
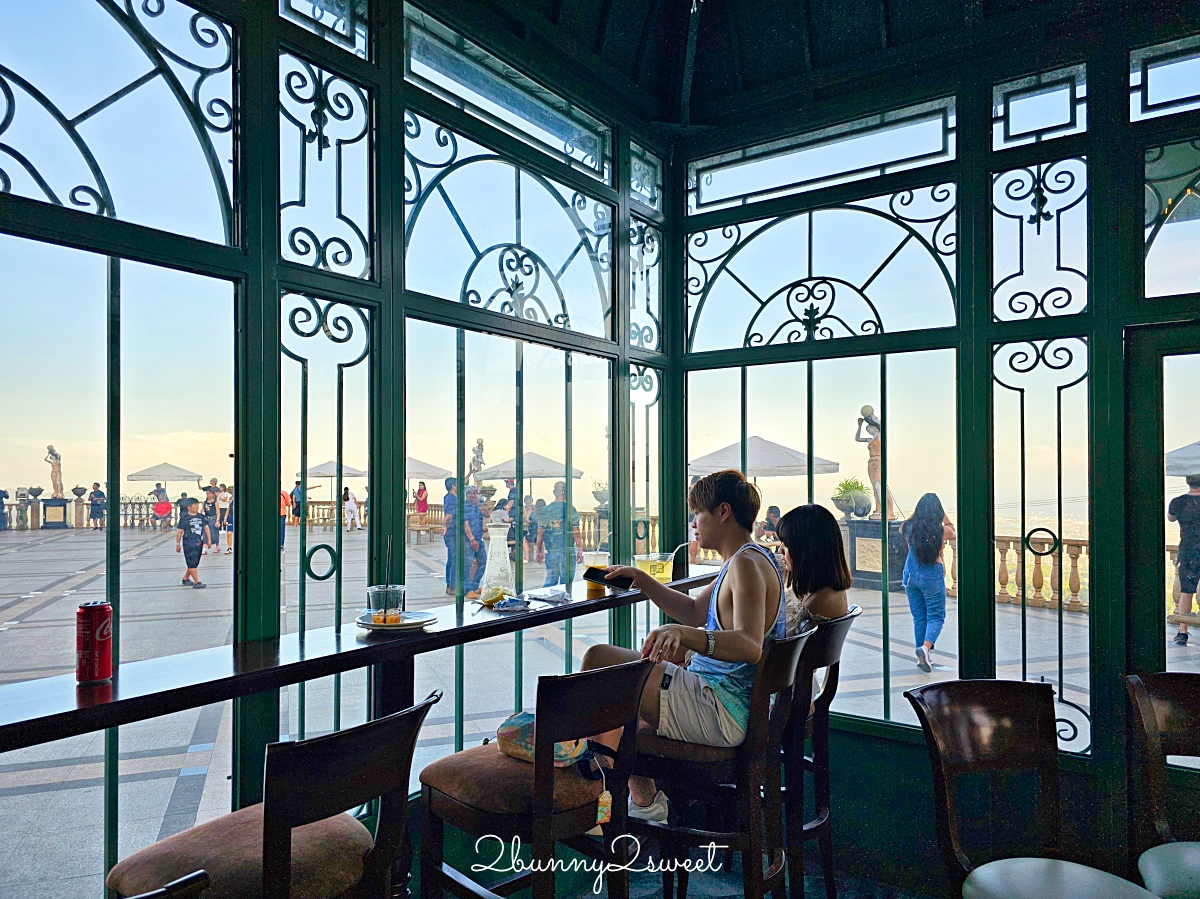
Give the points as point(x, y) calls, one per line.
point(78, 491)
point(851, 497)
point(600, 491)
point(35, 492)
point(487, 492)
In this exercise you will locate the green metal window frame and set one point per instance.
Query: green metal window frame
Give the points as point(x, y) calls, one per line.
point(1118, 644)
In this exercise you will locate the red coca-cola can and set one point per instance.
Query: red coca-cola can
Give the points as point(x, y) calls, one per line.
point(93, 642)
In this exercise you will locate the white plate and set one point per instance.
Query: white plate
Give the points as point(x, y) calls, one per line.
point(410, 621)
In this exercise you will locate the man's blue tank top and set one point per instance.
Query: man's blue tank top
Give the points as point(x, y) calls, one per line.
point(733, 682)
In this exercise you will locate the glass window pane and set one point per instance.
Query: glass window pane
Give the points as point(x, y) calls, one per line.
point(645, 287)
point(1172, 220)
point(865, 148)
point(325, 424)
point(1040, 471)
point(1039, 107)
point(326, 217)
point(922, 459)
point(484, 232)
point(196, 437)
point(842, 391)
point(51, 561)
point(646, 177)
point(464, 74)
point(342, 22)
point(1165, 79)
point(777, 438)
point(1040, 241)
point(869, 266)
point(123, 110)
point(1181, 504)
point(645, 409)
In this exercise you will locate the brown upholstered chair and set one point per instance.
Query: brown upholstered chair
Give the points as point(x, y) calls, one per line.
point(1167, 722)
point(297, 843)
point(184, 888)
point(688, 770)
point(823, 651)
point(1003, 726)
point(486, 793)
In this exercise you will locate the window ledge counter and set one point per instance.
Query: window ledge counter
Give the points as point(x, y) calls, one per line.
point(39, 711)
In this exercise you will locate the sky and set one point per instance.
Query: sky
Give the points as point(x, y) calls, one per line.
point(177, 329)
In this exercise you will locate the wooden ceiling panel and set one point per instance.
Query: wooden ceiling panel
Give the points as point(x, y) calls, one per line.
point(582, 20)
point(845, 30)
point(773, 40)
point(910, 21)
point(627, 28)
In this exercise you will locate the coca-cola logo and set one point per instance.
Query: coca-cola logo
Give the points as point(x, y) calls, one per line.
point(104, 631)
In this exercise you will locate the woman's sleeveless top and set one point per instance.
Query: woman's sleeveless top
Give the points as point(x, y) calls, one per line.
point(733, 682)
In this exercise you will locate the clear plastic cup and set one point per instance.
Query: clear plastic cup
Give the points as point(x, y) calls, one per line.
point(595, 560)
point(657, 565)
point(386, 602)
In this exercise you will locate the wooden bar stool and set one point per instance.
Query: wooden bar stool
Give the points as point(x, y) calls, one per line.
point(753, 768)
point(297, 843)
point(188, 887)
point(974, 726)
point(486, 793)
point(823, 650)
point(1168, 712)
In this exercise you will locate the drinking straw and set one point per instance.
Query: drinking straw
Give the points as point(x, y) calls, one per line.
point(387, 567)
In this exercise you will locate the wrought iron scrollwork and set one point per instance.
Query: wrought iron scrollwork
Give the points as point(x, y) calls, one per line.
point(525, 276)
point(645, 282)
point(1073, 726)
point(338, 322)
point(644, 385)
point(331, 116)
point(827, 298)
point(195, 66)
point(343, 22)
point(1043, 251)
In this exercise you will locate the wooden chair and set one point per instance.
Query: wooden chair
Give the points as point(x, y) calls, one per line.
point(1003, 726)
point(297, 841)
point(822, 651)
point(188, 887)
point(753, 769)
point(486, 793)
point(1167, 722)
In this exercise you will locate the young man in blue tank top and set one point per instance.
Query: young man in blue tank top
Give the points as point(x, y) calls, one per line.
point(699, 691)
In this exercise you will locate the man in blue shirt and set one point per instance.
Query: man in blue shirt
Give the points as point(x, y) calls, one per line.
point(450, 509)
point(473, 534)
point(552, 543)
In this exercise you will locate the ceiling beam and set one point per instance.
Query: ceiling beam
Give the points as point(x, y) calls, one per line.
point(689, 62)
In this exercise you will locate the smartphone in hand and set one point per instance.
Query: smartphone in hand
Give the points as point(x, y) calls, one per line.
point(597, 576)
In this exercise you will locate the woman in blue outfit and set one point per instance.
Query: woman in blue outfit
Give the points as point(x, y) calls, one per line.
point(924, 574)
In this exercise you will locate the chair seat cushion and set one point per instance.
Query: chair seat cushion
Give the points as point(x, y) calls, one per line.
point(1172, 870)
point(327, 858)
point(650, 743)
point(1046, 878)
point(484, 778)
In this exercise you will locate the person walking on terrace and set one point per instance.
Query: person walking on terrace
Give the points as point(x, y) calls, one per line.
point(924, 576)
point(421, 497)
point(705, 666)
point(350, 501)
point(476, 560)
point(554, 524)
point(450, 514)
point(96, 503)
point(1185, 509)
point(190, 538)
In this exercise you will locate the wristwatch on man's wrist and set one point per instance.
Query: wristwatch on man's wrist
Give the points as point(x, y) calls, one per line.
point(712, 642)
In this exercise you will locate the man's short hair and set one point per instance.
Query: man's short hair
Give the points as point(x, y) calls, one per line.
point(729, 486)
point(192, 501)
point(773, 510)
point(560, 487)
point(450, 482)
point(1193, 480)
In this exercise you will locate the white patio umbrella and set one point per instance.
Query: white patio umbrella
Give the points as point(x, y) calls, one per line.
point(330, 470)
point(415, 469)
point(163, 474)
point(1184, 461)
point(764, 459)
point(533, 465)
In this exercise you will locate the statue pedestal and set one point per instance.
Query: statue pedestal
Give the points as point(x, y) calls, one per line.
point(866, 554)
point(54, 513)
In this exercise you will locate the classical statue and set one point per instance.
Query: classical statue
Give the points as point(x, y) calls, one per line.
point(874, 427)
point(56, 481)
point(476, 464)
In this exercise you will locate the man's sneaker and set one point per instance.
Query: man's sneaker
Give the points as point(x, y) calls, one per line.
point(1181, 639)
point(655, 811)
point(923, 659)
point(449, 591)
point(199, 586)
point(229, 552)
point(186, 582)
